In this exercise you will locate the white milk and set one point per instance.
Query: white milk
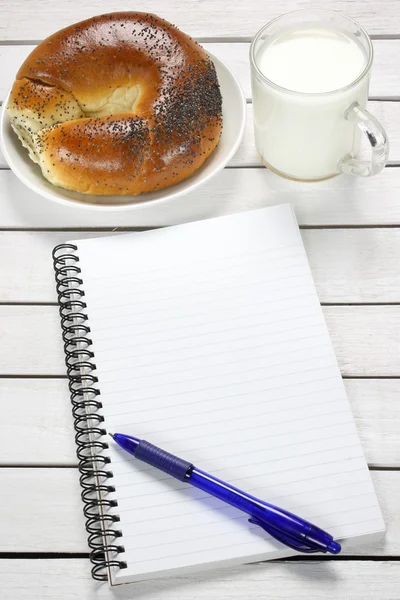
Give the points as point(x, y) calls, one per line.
point(304, 134)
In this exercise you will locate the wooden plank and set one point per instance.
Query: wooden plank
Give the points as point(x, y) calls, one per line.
point(375, 406)
point(373, 401)
point(355, 265)
point(366, 340)
point(384, 81)
point(202, 18)
point(41, 511)
point(38, 579)
point(343, 200)
point(49, 518)
point(11, 58)
point(39, 412)
point(388, 114)
point(246, 156)
point(348, 265)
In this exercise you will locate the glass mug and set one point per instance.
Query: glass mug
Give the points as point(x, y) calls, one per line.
point(311, 136)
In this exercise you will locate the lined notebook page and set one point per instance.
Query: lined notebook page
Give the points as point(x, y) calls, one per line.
point(210, 342)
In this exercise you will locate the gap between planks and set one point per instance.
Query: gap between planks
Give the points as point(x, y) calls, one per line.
point(44, 555)
point(322, 303)
point(139, 229)
point(46, 376)
point(294, 559)
point(75, 466)
point(205, 39)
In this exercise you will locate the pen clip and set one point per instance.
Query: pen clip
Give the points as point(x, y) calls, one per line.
point(285, 538)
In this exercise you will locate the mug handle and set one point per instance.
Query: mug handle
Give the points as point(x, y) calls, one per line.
point(377, 137)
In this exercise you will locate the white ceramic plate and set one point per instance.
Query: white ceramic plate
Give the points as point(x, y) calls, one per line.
point(234, 115)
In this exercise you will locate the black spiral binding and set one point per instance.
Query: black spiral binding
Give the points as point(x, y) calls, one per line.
point(89, 437)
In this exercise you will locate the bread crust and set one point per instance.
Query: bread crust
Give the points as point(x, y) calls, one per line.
point(118, 104)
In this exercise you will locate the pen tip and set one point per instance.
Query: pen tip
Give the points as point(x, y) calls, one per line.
point(111, 435)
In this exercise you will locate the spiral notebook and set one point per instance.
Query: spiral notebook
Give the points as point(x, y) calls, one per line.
point(206, 339)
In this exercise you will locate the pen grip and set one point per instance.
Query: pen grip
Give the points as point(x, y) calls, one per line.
point(156, 457)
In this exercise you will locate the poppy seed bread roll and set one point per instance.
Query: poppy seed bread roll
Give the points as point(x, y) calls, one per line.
point(118, 104)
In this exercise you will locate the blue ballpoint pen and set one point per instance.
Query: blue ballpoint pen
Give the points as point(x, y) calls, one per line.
point(280, 524)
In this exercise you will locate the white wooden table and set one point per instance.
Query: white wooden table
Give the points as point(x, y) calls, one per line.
point(351, 229)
